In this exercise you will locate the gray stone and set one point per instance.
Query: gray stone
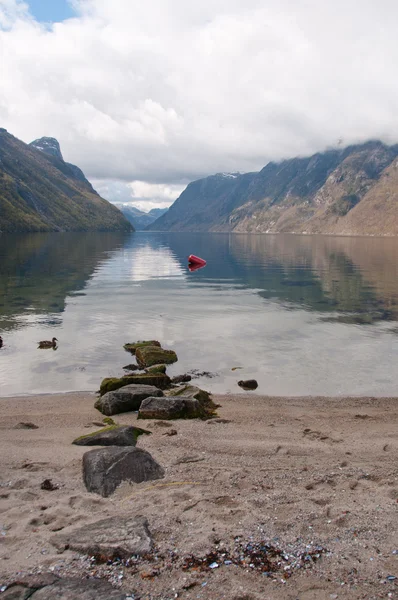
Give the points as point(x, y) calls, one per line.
point(106, 468)
point(65, 589)
point(111, 436)
point(125, 399)
point(181, 378)
point(108, 539)
point(248, 384)
point(192, 391)
point(171, 408)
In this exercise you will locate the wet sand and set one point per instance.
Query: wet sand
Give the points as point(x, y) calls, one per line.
point(295, 472)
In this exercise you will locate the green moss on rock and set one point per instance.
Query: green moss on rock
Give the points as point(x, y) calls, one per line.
point(191, 391)
point(159, 380)
point(125, 436)
point(132, 347)
point(93, 433)
point(108, 421)
point(147, 356)
point(157, 369)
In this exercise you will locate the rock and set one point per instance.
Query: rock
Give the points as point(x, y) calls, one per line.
point(249, 384)
point(157, 369)
point(215, 421)
point(125, 399)
point(105, 468)
point(111, 436)
point(191, 391)
point(131, 367)
point(159, 380)
point(171, 432)
point(132, 347)
point(171, 408)
point(26, 426)
point(147, 356)
point(108, 539)
point(181, 379)
point(48, 485)
point(64, 589)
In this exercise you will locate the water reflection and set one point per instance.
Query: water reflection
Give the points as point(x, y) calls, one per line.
point(38, 271)
point(148, 262)
point(287, 309)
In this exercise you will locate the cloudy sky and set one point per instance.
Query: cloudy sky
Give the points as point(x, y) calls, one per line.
point(147, 96)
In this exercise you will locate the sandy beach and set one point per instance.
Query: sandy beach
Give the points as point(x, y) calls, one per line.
point(315, 477)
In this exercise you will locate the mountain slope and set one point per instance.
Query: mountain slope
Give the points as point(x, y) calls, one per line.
point(138, 218)
point(39, 191)
point(351, 191)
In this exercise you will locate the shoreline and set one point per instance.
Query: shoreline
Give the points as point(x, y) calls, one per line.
point(292, 470)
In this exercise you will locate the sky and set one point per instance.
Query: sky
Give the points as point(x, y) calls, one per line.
point(147, 96)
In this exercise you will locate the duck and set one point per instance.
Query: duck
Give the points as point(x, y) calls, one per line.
point(48, 343)
point(1, 342)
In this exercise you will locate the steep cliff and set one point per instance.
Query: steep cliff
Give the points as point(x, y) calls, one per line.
point(39, 191)
point(351, 191)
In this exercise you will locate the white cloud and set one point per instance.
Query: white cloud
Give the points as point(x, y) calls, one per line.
point(140, 194)
point(165, 91)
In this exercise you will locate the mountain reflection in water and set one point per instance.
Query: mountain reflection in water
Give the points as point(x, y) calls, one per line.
point(301, 314)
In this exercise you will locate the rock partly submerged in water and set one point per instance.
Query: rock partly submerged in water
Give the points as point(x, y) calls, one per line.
point(147, 356)
point(112, 436)
point(248, 384)
point(172, 408)
point(181, 378)
point(126, 399)
point(132, 347)
point(159, 380)
point(157, 369)
point(108, 539)
point(106, 468)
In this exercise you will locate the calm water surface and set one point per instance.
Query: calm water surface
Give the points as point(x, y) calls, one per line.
point(302, 315)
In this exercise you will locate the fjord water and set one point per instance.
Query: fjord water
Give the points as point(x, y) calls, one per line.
point(303, 315)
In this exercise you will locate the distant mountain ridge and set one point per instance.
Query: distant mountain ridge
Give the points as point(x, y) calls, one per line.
point(351, 191)
point(39, 191)
point(138, 218)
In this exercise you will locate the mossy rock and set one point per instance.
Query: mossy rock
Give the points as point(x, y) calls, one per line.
point(191, 391)
point(109, 421)
point(132, 347)
point(159, 380)
point(115, 435)
point(172, 408)
point(148, 356)
point(157, 369)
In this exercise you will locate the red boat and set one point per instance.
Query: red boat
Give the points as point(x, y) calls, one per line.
point(196, 261)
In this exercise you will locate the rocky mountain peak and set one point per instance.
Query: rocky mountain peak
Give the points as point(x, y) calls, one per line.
point(49, 145)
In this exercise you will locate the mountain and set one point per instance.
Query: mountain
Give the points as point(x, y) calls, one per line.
point(139, 219)
point(352, 191)
point(39, 191)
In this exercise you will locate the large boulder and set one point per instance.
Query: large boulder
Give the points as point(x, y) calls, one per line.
point(147, 356)
point(61, 589)
point(108, 539)
point(191, 391)
point(171, 408)
point(111, 436)
point(125, 399)
point(159, 380)
point(132, 347)
point(106, 468)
